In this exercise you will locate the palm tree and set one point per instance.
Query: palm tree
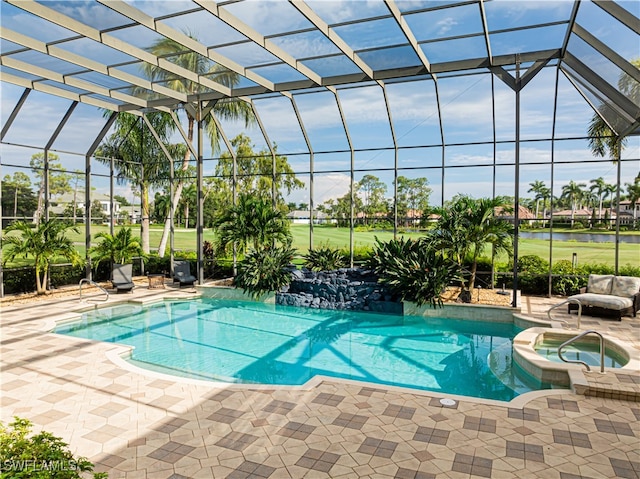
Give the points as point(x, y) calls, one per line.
point(541, 192)
point(252, 221)
point(599, 187)
point(189, 197)
point(610, 190)
point(226, 108)
point(138, 158)
point(43, 244)
point(573, 193)
point(633, 193)
point(602, 139)
point(120, 248)
point(466, 226)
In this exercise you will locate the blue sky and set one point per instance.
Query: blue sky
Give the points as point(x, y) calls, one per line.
point(466, 102)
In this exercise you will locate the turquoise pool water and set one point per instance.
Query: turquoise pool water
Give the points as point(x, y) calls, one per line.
point(267, 344)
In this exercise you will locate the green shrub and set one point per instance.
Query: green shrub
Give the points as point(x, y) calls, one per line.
point(567, 280)
point(38, 456)
point(361, 254)
point(264, 270)
point(324, 258)
point(629, 270)
point(412, 270)
point(533, 274)
point(597, 268)
point(483, 271)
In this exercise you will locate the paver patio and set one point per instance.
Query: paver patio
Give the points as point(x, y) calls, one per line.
point(138, 424)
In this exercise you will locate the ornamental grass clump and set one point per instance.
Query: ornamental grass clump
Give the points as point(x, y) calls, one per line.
point(413, 270)
point(265, 270)
point(324, 258)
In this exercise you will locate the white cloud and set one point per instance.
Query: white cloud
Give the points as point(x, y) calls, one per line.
point(445, 25)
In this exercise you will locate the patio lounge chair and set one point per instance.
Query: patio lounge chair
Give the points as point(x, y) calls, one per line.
point(122, 278)
point(182, 273)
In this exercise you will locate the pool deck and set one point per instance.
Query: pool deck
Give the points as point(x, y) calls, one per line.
point(137, 424)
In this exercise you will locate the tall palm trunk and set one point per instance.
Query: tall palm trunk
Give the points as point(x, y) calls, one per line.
point(177, 193)
point(144, 218)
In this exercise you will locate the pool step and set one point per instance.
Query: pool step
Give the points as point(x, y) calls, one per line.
point(623, 386)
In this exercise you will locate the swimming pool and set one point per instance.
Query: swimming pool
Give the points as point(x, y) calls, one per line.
point(246, 342)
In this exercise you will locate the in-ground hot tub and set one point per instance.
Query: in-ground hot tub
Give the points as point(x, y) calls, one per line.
point(533, 351)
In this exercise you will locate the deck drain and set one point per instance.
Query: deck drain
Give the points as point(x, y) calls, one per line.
point(447, 402)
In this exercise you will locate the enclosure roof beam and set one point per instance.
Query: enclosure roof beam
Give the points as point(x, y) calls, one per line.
point(214, 9)
point(606, 90)
point(86, 64)
point(185, 40)
point(102, 133)
point(61, 92)
point(324, 28)
point(61, 124)
point(607, 52)
point(16, 109)
point(69, 23)
point(620, 14)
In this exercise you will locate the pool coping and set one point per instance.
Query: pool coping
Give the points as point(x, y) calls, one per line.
point(571, 375)
point(119, 353)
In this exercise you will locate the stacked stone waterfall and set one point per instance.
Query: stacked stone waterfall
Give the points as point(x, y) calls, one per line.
point(343, 289)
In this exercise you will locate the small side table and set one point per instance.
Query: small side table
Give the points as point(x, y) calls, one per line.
point(156, 281)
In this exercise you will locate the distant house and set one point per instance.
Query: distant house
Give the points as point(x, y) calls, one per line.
point(579, 214)
point(63, 202)
point(524, 213)
point(301, 217)
point(625, 208)
point(132, 212)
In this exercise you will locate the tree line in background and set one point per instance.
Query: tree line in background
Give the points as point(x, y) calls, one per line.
point(23, 197)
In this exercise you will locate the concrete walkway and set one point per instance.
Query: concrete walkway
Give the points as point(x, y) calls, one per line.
point(137, 424)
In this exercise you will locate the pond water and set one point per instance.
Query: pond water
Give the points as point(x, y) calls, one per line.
point(583, 237)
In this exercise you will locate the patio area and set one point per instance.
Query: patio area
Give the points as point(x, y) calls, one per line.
point(136, 424)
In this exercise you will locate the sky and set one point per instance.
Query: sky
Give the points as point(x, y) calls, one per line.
point(465, 101)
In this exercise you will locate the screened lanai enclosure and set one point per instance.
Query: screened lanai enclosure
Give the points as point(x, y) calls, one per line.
point(353, 115)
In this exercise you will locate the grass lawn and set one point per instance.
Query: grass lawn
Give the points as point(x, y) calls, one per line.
point(185, 240)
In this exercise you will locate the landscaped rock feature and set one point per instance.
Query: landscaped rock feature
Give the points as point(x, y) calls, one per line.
point(343, 289)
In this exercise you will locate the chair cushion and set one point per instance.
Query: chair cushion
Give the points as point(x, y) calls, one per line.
point(607, 301)
point(625, 286)
point(600, 283)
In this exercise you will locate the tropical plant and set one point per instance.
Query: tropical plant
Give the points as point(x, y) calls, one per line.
point(573, 193)
point(633, 194)
point(324, 258)
point(533, 274)
point(139, 160)
point(255, 172)
point(413, 270)
point(466, 226)
point(58, 181)
point(602, 139)
point(567, 279)
point(599, 187)
point(225, 108)
point(43, 243)
point(189, 198)
point(265, 270)
point(252, 221)
point(541, 192)
point(120, 248)
point(38, 456)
